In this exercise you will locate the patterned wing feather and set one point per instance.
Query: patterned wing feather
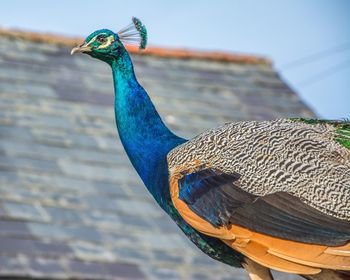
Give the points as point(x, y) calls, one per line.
point(342, 129)
point(302, 159)
point(276, 191)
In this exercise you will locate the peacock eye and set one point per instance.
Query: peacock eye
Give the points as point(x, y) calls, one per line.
point(101, 39)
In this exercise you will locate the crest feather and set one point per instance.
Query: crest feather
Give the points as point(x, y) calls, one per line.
point(134, 34)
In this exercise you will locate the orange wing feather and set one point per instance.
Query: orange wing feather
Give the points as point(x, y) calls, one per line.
point(276, 253)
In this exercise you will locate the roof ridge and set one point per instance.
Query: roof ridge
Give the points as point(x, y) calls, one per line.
point(181, 53)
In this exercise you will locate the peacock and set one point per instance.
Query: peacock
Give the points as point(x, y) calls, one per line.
point(258, 195)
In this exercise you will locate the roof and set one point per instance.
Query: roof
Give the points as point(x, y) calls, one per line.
point(66, 183)
point(153, 51)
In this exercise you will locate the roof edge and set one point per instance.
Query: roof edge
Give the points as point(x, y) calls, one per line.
point(180, 53)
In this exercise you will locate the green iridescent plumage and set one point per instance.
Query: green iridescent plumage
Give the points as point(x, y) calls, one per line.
point(342, 129)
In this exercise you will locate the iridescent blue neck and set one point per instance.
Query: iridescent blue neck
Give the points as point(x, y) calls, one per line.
point(145, 137)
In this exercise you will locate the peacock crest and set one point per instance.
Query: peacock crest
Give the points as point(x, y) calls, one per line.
point(134, 34)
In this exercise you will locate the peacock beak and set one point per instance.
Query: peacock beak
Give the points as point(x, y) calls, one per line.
point(83, 48)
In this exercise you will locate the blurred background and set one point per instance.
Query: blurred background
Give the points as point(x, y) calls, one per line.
point(71, 205)
point(308, 41)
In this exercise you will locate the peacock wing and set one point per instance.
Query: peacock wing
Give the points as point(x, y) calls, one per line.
point(266, 220)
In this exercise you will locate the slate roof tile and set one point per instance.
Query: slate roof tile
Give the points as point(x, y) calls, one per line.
point(12, 266)
point(13, 228)
point(42, 267)
point(25, 211)
point(66, 185)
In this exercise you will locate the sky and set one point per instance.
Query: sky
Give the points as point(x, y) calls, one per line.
point(308, 41)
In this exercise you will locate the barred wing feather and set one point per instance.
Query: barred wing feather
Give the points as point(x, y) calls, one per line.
point(276, 191)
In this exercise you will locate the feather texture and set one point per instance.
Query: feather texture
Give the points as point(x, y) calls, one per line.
point(342, 129)
point(217, 198)
point(280, 254)
point(276, 191)
point(273, 156)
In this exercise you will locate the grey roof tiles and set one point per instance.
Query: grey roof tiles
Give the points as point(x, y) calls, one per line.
point(66, 185)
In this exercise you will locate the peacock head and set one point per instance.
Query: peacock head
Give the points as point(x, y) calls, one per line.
point(105, 45)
